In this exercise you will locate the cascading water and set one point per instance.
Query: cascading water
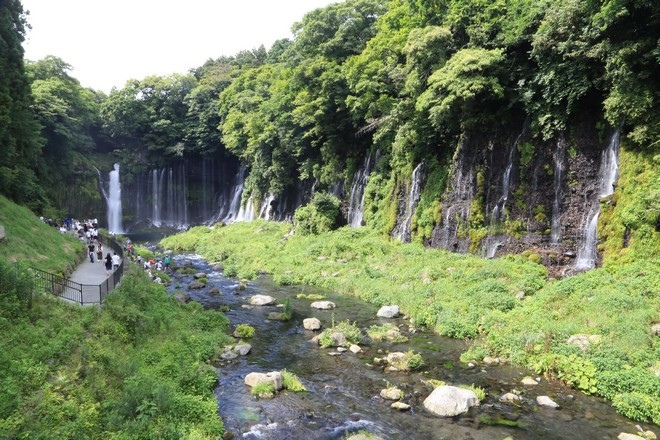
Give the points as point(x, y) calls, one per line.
point(113, 200)
point(356, 201)
point(500, 206)
point(559, 170)
point(402, 231)
point(608, 173)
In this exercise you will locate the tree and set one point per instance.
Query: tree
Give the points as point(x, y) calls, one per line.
point(19, 132)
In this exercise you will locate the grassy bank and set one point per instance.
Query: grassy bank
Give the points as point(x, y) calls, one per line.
point(505, 306)
point(138, 367)
point(30, 240)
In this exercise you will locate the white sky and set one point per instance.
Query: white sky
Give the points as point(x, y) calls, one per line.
point(108, 42)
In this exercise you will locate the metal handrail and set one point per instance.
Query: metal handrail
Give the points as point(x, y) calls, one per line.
point(83, 294)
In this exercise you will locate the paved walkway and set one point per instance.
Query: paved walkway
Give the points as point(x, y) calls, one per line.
point(89, 273)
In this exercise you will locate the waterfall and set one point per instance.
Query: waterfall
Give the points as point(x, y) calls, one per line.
point(500, 206)
point(403, 231)
point(356, 199)
point(559, 170)
point(112, 199)
point(607, 175)
point(156, 187)
point(246, 213)
point(114, 202)
point(236, 193)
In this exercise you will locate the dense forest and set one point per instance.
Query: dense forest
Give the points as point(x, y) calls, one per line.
point(522, 127)
point(366, 89)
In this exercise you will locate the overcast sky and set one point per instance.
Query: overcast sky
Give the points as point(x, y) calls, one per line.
point(111, 41)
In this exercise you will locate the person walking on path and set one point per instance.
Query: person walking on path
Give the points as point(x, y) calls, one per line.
point(115, 261)
point(108, 264)
point(90, 247)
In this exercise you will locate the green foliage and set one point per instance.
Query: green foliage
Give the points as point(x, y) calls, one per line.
point(32, 241)
point(480, 392)
point(410, 361)
point(350, 330)
point(321, 215)
point(244, 331)
point(638, 406)
point(389, 332)
point(263, 390)
point(291, 382)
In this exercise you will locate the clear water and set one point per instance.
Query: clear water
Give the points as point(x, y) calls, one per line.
point(343, 390)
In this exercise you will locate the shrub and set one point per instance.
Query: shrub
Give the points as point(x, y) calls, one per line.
point(321, 215)
point(410, 361)
point(291, 382)
point(244, 331)
point(264, 390)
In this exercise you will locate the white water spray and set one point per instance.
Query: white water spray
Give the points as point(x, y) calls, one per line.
point(113, 199)
point(609, 169)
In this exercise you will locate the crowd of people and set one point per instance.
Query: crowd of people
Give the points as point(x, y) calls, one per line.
point(87, 231)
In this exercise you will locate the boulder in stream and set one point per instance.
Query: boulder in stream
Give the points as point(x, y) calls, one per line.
point(312, 324)
point(242, 349)
point(449, 401)
point(199, 275)
point(546, 401)
point(400, 406)
point(262, 300)
point(214, 291)
point(274, 377)
point(196, 285)
point(323, 305)
point(391, 393)
point(388, 312)
point(183, 297)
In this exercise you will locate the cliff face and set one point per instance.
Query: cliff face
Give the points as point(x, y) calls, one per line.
point(508, 193)
point(505, 193)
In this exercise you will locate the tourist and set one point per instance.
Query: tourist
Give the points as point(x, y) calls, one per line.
point(99, 252)
point(91, 248)
point(115, 261)
point(167, 263)
point(108, 264)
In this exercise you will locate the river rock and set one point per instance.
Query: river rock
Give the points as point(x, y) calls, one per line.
point(242, 349)
point(323, 305)
point(338, 339)
point(183, 297)
point(273, 377)
point(388, 312)
point(355, 349)
point(529, 381)
point(311, 324)
point(510, 397)
point(196, 285)
point(489, 360)
point(217, 267)
point(394, 357)
point(199, 275)
point(262, 300)
point(546, 401)
point(583, 341)
point(228, 355)
point(214, 291)
point(449, 401)
point(655, 329)
point(626, 436)
point(400, 406)
point(391, 393)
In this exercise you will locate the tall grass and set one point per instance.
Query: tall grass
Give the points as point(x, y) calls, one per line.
point(463, 296)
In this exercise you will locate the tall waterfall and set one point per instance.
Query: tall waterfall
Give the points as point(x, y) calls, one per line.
point(403, 230)
point(112, 198)
point(559, 171)
point(608, 173)
point(356, 201)
point(500, 205)
point(114, 202)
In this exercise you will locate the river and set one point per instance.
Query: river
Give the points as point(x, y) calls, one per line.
point(343, 389)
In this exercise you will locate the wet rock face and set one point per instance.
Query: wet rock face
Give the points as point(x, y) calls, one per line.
point(521, 194)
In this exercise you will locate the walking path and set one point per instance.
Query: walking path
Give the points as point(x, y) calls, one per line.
point(89, 273)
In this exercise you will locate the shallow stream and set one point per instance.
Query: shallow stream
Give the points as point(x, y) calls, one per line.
point(343, 389)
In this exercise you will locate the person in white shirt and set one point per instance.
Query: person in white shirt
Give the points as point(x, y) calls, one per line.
point(115, 261)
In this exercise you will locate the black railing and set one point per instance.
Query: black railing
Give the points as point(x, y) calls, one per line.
point(83, 294)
